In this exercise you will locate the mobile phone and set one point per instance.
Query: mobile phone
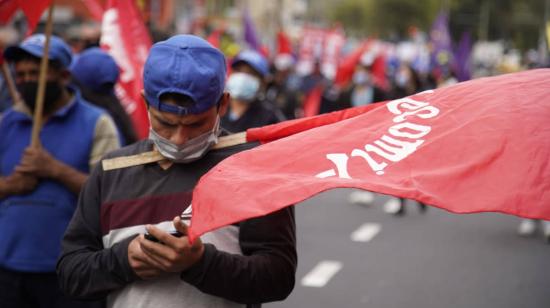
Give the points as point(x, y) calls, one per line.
point(150, 237)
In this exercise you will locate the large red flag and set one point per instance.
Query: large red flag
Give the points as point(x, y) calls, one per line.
point(477, 146)
point(125, 37)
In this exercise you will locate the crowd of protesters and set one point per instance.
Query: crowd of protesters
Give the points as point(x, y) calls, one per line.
point(263, 90)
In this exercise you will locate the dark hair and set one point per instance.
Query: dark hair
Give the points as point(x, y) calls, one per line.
point(109, 102)
point(237, 67)
point(25, 56)
point(181, 100)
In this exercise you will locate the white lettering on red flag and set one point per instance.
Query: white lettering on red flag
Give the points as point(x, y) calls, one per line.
point(477, 146)
point(125, 38)
point(401, 140)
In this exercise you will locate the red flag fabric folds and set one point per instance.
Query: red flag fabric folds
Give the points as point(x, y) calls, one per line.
point(7, 9)
point(32, 9)
point(280, 130)
point(127, 40)
point(477, 146)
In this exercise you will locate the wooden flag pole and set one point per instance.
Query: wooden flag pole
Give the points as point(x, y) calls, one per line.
point(9, 82)
point(154, 156)
point(39, 107)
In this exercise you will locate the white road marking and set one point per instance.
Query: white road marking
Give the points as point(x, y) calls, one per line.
point(392, 206)
point(320, 275)
point(366, 232)
point(361, 197)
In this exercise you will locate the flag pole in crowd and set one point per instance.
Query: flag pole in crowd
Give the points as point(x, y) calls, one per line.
point(9, 82)
point(37, 116)
point(262, 134)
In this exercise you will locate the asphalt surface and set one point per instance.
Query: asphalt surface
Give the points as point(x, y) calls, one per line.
point(432, 259)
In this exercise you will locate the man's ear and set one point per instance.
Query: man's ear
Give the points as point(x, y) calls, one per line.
point(144, 100)
point(224, 104)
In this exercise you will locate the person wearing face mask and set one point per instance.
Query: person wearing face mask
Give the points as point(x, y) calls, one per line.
point(362, 90)
point(406, 82)
point(105, 252)
point(247, 107)
point(39, 186)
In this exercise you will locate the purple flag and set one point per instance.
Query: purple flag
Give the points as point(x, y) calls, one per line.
point(462, 57)
point(250, 35)
point(441, 41)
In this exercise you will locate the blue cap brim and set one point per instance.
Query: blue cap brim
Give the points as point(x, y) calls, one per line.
point(14, 53)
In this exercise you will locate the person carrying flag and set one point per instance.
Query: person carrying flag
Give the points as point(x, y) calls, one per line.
point(39, 186)
point(105, 252)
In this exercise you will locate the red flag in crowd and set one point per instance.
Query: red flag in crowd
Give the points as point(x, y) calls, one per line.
point(333, 43)
point(95, 9)
point(312, 101)
point(284, 46)
point(125, 37)
point(478, 146)
point(32, 10)
point(379, 75)
point(7, 9)
point(347, 65)
point(214, 37)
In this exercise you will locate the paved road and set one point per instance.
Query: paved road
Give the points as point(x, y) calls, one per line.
point(436, 259)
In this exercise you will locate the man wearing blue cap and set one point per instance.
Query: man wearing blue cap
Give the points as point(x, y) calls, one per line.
point(95, 73)
point(39, 185)
point(248, 107)
point(105, 249)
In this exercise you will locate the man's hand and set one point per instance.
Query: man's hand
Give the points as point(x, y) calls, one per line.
point(19, 184)
point(175, 254)
point(38, 162)
point(138, 261)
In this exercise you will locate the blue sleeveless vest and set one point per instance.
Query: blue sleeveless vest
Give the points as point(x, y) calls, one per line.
point(32, 225)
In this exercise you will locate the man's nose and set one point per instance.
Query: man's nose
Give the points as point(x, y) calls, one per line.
point(180, 136)
point(26, 77)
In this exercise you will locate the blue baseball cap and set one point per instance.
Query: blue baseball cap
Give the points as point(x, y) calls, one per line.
point(188, 65)
point(254, 59)
point(95, 69)
point(34, 45)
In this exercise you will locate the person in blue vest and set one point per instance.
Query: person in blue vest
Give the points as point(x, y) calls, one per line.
point(39, 185)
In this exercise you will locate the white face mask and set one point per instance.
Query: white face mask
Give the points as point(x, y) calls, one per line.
point(191, 150)
point(243, 86)
point(361, 78)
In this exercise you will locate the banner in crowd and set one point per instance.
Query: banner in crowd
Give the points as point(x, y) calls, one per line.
point(312, 46)
point(32, 9)
point(478, 146)
point(125, 37)
point(332, 47)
